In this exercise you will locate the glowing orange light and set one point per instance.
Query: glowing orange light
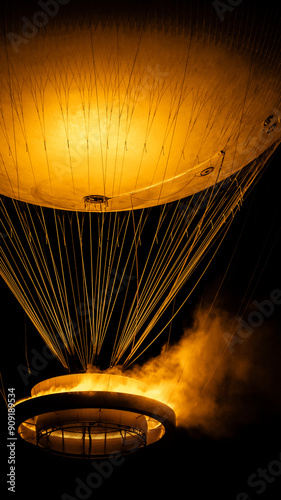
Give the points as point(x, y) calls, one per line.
point(93, 414)
point(119, 113)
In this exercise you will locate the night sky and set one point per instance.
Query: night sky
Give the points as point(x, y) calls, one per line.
point(187, 464)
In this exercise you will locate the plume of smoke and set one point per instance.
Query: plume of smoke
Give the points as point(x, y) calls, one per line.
point(210, 388)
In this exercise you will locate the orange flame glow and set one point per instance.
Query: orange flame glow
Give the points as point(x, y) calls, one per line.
point(207, 386)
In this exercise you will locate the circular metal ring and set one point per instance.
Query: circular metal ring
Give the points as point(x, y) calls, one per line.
point(93, 424)
point(206, 171)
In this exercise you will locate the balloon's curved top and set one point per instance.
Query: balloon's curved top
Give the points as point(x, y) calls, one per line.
point(122, 107)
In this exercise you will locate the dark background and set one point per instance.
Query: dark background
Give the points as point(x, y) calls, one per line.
point(188, 464)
